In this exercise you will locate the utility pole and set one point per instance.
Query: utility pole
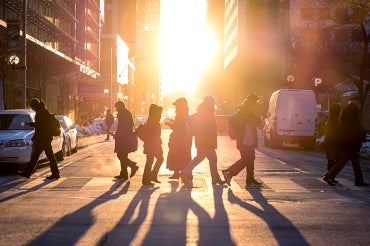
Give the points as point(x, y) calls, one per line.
point(24, 70)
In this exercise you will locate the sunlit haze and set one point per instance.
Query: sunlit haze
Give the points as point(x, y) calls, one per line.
point(186, 45)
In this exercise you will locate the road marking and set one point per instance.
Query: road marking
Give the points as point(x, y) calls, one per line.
point(283, 185)
point(41, 182)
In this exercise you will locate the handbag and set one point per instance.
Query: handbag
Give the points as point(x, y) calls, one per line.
point(133, 143)
point(249, 138)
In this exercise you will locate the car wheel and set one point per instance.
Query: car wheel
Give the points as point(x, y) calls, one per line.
point(66, 148)
point(274, 141)
point(74, 150)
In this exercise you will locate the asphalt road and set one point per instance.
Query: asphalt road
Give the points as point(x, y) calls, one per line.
point(87, 206)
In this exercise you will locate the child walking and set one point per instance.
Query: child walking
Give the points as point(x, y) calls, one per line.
point(153, 145)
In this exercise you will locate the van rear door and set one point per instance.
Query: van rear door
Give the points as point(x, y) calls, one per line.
point(296, 115)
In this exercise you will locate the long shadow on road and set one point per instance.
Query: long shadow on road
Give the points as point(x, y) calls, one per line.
point(281, 227)
point(66, 231)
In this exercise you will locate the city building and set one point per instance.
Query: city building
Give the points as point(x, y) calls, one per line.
point(253, 47)
point(130, 67)
point(58, 54)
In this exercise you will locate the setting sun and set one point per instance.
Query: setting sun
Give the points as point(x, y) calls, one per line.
point(186, 44)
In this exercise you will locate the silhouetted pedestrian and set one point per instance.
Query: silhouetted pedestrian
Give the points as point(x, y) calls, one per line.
point(180, 141)
point(41, 140)
point(123, 140)
point(331, 135)
point(246, 122)
point(351, 136)
point(204, 128)
point(109, 119)
point(153, 145)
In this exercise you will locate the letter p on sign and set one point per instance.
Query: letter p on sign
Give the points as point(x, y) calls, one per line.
point(318, 81)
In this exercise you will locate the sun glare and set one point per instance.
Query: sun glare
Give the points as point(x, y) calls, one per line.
point(186, 45)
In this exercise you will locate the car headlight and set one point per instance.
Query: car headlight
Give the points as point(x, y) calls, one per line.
point(19, 143)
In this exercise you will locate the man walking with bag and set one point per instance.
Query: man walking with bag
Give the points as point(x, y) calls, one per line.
point(41, 140)
point(245, 121)
point(123, 141)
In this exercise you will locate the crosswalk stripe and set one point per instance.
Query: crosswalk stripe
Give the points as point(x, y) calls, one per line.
point(277, 184)
point(283, 185)
point(40, 182)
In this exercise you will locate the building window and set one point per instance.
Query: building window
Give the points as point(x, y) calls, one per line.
point(306, 13)
point(324, 14)
point(341, 14)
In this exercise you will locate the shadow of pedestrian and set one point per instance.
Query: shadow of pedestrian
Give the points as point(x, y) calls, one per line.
point(170, 216)
point(5, 187)
point(283, 230)
point(127, 227)
point(220, 225)
point(66, 231)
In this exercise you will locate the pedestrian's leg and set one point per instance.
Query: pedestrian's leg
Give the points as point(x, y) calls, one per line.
point(212, 158)
point(239, 165)
point(355, 160)
point(147, 169)
point(329, 176)
point(123, 161)
point(330, 165)
point(53, 162)
point(250, 156)
point(35, 154)
point(192, 164)
point(157, 166)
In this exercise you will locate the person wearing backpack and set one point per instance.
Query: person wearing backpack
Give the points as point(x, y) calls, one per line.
point(41, 140)
point(245, 122)
point(203, 126)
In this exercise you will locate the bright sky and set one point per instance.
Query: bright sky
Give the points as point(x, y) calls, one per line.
point(186, 45)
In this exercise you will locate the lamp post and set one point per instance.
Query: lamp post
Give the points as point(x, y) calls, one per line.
point(110, 79)
point(24, 71)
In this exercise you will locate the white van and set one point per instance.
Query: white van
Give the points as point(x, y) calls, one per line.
point(291, 118)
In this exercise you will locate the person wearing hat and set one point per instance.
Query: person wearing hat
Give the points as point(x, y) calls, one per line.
point(41, 141)
point(246, 122)
point(122, 138)
point(204, 128)
point(153, 145)
point(180, 141)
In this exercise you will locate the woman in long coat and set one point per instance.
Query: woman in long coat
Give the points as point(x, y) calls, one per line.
point(123, 140)
point(331, 140)
point(180, 142)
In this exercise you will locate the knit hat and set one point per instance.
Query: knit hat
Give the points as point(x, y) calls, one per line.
point(155, 109)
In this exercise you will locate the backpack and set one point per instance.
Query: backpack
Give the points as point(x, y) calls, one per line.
point(231, 127)
point(141, 132)
point(54, 126)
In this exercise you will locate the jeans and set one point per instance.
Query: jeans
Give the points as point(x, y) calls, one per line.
point(210, 154)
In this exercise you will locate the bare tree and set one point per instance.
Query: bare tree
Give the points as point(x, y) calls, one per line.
point(346, 40)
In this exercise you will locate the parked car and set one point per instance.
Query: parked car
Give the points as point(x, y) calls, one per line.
point(140, 119)
point(15, 137)
point(70, 135)
point(291, 118)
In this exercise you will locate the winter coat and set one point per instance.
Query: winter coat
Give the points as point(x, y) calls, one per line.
point(124, 133)
point(41, 125)
point(244, 117)
point(179, 144)
point(203, 126)
point(153, 141)
point(351, 132)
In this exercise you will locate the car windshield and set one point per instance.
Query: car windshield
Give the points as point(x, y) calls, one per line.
point(14, 122)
